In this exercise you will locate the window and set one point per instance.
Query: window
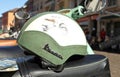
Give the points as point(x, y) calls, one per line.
point(61, 5)
point(40, 6)
point(75, 3)
point(112, 2)
point(48, 1)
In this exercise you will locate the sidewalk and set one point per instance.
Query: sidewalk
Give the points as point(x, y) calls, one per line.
point(114, 61)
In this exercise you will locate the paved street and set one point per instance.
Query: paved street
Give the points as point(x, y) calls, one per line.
point(114, 60)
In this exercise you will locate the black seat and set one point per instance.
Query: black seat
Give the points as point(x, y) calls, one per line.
point(11, 52)
point(89, 66)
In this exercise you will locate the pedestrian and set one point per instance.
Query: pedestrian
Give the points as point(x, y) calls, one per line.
point(87, 34)
point(102, 35)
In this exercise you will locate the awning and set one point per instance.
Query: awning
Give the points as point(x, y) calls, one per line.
point(86, 18)
point(83, 19)
point(111, 16)
point(84, 23)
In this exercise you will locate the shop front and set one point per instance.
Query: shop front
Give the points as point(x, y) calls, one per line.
point(90, 22)
point(111, 24)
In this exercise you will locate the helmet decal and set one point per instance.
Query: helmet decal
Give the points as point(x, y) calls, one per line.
point(48, 49)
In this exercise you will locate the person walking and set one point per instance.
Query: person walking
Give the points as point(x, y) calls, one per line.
point(102, 35)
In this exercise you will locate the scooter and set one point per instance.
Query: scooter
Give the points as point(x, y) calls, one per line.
point(54, 45)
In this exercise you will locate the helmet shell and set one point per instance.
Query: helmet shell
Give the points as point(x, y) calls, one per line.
point(53, 36)
point(74, 13)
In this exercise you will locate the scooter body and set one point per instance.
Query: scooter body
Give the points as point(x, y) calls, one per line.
point(54, 45)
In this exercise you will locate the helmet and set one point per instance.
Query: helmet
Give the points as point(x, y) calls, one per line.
point(78, 12)
point(53, 37)
point(74, 13)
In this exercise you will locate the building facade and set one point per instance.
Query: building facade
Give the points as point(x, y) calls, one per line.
point(110, 18)
point(0, 24)
point(8, 20)
point(95, 20)
point(39, 6)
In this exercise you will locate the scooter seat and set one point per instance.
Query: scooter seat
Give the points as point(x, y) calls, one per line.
point(89, 66)
point(11, 52)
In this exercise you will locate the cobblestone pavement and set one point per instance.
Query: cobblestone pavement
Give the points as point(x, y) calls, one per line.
point(114, 61)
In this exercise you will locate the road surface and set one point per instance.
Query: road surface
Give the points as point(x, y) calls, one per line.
point(114, 61)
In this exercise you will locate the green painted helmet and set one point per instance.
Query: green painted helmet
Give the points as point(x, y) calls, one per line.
point(74, 13)
point(53, 37)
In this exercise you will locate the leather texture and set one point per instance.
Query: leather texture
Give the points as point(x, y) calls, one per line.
point(11, 52)
point(89, 66)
